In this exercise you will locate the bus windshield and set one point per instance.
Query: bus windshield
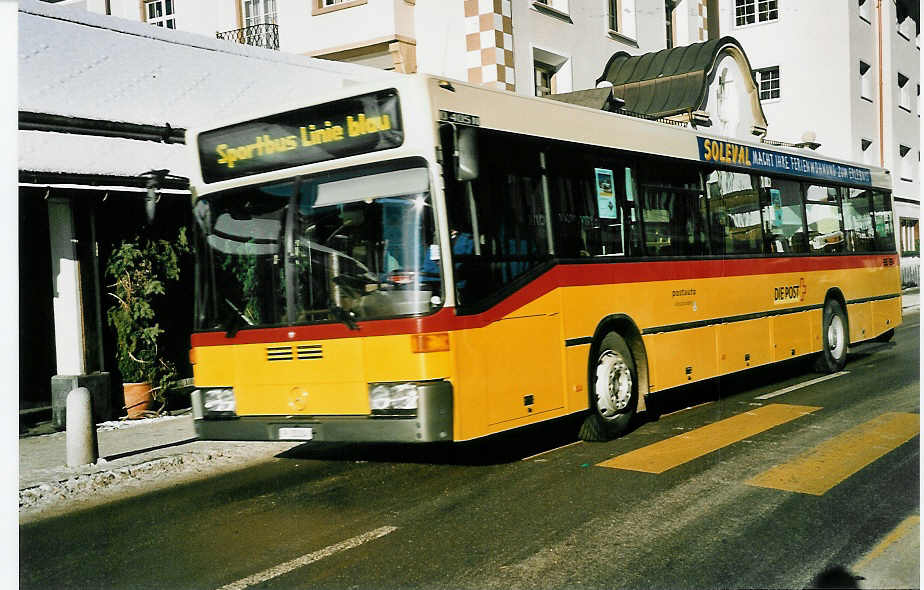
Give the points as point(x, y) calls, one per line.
point(339, 246)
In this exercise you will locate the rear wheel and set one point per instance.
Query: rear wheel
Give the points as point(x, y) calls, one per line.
point(833, 355)
point(614, 391)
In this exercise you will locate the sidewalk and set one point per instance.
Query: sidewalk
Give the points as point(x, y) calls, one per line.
point(911, 298)
point(136, 456)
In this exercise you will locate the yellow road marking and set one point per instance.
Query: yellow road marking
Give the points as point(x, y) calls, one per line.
point(907, 526)
point(667, 454)
point(838, 458)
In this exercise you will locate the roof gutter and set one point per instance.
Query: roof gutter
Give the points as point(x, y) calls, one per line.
point(43, 178)
point(30, 121)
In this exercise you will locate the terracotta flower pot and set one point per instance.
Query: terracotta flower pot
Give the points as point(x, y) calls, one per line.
point(138, 399)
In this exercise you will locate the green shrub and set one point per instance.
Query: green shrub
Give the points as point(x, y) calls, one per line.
point(140, 268)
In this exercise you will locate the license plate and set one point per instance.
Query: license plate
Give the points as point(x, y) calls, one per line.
point(295, 433)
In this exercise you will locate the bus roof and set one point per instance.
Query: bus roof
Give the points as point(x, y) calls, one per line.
point(466, 103)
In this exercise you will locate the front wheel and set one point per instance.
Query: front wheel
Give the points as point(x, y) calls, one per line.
point(833, 355)
point(614, 391)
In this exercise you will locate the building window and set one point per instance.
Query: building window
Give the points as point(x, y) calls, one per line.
point(866, 81)
point(559, 5)
point(160, 13)
point(906, 166)
point(258, 12)
point(545, 79)
point(768, 82)
point(748, 12)
point(910, 236)
point(864, 9)
point(866, 154)
point(552, 72)
point(622, 17)
point(904, 92)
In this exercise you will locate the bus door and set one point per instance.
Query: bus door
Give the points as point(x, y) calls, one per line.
point(501, 245)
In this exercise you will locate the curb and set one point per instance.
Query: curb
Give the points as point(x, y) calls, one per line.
point(84, 490)
point(42, 495)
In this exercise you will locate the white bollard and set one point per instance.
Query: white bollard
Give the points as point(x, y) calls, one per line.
point(82, 447)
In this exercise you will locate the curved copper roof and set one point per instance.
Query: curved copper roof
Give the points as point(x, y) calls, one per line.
point(666, 82)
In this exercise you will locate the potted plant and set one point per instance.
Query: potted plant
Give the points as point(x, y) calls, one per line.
point(140, 268)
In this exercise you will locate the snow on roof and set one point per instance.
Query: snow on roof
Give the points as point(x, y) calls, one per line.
point(44, 151)
point(76, 63)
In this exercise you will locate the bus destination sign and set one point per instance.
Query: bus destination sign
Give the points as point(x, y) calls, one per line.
point(759, 159)
point(356, 125)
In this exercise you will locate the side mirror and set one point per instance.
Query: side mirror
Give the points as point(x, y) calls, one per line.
point(466, 154)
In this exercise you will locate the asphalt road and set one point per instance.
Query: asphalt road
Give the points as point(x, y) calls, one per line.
point(811, 477)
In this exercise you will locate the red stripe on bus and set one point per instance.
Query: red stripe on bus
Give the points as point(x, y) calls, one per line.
point(563, 275)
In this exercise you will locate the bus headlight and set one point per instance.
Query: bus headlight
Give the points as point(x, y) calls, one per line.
point(387, 397)
point(219, 401)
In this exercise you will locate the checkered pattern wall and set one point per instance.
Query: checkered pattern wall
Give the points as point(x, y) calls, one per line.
point(489, 43)
point(702, 21)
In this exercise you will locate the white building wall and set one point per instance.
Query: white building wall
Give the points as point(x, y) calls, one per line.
point(583, 39)
point(440, 39)
point(864, 112)
point(205, 17)
point(902, 126)
point(815, 95)
point(305, 30)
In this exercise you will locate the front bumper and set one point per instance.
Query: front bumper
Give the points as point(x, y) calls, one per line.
point(433, 423)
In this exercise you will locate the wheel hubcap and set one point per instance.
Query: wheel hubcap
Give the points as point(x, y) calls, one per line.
point(836, 337)
point(614, 384)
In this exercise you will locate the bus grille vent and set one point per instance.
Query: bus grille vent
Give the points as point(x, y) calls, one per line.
point(309, 352)
point(279, 353)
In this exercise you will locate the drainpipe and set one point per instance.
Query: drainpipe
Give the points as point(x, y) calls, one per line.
point(712, 19)
point(881, 111)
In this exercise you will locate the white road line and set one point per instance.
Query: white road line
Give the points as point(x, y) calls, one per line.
point(577, 442)
point(800, 385)
point(304, 560)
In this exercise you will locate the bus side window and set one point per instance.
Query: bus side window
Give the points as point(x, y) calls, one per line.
point(823, 216)
point(734, 213)
point(671, 198)
point(590, 209)
point(882, 215)
point(784, 221)
point(858, 220)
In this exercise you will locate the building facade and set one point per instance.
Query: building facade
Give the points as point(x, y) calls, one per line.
point(842, 74)
point(522, 46)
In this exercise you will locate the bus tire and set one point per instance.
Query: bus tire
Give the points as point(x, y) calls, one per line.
point(613, 389)
point(834, 341)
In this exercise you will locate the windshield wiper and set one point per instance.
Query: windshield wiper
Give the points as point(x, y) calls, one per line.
point(235, 320)
point(344, 316)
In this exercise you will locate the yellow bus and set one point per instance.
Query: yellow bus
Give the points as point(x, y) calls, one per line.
point(426, 260)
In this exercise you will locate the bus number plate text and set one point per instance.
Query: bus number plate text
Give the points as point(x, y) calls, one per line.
point(295, 433)
point(460, 118)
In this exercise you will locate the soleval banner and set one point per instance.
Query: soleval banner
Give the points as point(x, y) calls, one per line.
point(764, 160)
